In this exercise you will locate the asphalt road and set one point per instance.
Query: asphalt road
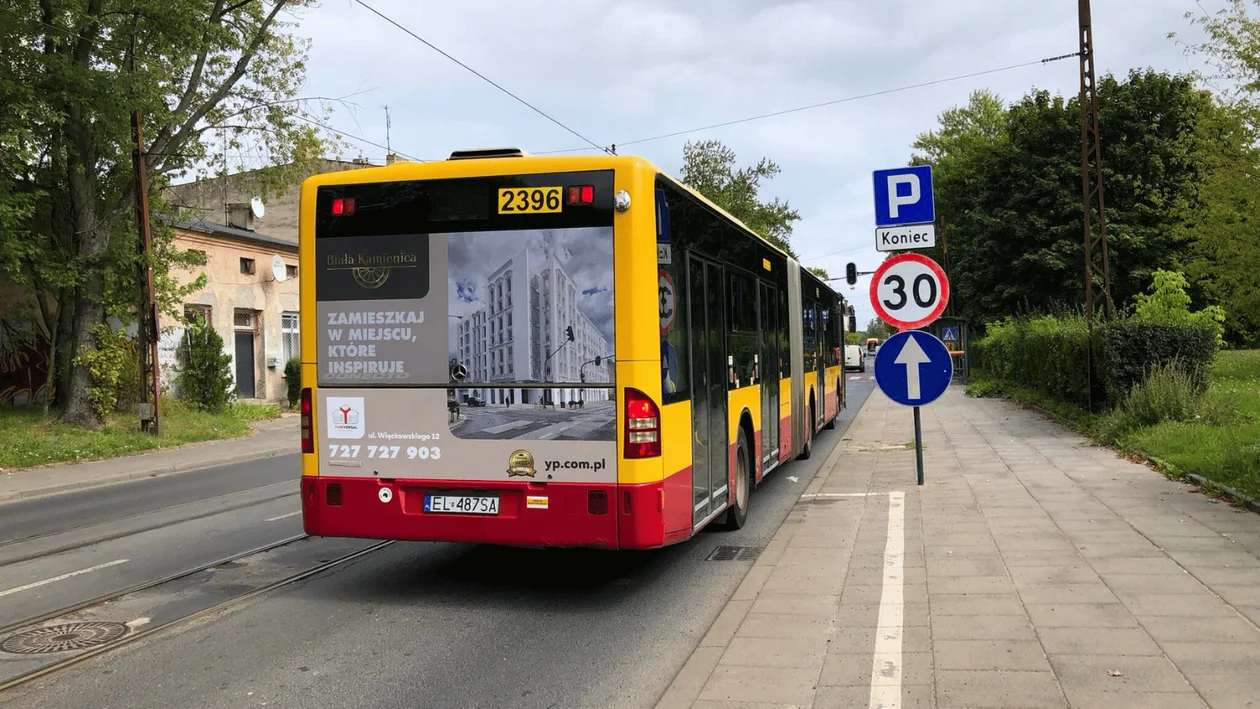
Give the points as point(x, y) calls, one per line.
point(445, 625)
point(65, 549)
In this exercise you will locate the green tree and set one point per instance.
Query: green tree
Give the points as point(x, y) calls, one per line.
point(878, 328)
point(818, 271)
point(709, 168)
point(1011, 198)
point(205, 72)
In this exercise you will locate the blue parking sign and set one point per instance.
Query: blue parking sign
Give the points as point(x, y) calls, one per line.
point(903, 195)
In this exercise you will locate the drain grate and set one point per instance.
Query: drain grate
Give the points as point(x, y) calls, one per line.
point(63, 638)
point(725, 553)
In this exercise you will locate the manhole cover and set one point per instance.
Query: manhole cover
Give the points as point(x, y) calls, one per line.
point(734, 553)
point(62, 638)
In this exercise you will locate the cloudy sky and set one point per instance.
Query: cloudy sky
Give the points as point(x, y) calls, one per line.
point(617, 72)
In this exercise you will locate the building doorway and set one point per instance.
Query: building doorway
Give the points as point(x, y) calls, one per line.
point(243, 325)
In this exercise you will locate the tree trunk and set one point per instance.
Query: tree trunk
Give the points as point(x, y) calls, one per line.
point(64, 347)
point(90, 312)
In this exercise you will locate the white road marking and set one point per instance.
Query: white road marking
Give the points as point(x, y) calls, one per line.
point(886, 666)
point(138, 622)
point(815, 495)
point(63, 577)
point(279, 517)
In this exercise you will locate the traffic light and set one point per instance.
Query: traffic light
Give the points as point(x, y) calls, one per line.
point(568, 332)
point(850, 273)
point(852, 320)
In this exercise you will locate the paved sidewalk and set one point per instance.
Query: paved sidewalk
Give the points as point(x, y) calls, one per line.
point(1032, 570)
point(271, 438)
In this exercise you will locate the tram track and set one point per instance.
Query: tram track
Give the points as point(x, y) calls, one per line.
point(137, 634)
point(129, 531)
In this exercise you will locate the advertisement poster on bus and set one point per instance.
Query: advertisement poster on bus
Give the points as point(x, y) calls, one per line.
point(511, 359)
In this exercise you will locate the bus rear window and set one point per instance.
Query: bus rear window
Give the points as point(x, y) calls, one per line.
point(497, 286)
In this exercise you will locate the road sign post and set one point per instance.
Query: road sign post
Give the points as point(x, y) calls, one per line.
point(913, 369)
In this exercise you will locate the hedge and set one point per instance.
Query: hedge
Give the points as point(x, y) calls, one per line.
point(1050, 353)
point(1131, 348)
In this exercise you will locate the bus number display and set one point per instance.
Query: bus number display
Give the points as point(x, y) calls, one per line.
point(529, 200)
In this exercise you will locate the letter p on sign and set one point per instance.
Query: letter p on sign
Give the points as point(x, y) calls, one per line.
point(895, 199)
point(903, 196)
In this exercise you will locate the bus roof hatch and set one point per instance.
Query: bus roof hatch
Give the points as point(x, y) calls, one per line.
point(489, 153)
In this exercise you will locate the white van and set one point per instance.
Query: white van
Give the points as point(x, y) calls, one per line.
point(854, 358)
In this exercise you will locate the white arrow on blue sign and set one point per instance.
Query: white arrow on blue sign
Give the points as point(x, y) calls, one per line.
point(913, 368)
point(903, 195)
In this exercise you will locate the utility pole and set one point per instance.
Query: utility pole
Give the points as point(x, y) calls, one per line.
point(1097, 269)
point(147, 312)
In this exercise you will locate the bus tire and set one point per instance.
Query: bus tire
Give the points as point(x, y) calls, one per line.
point(737, 511)
point(808, 448)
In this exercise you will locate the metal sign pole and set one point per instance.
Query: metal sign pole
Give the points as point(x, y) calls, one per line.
point(918, 444)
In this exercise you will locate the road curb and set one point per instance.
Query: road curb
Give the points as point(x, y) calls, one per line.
point(152, 472)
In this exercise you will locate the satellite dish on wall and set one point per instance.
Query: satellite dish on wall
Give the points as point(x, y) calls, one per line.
point(278, 269)
point(257, 208)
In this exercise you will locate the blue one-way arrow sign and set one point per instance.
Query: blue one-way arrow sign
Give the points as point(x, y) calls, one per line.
point(913, 368)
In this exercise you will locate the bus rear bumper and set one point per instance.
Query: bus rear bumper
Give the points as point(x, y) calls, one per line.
point(605, 516)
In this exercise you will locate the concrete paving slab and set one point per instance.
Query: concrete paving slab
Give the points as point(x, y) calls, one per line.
point(1032, 569)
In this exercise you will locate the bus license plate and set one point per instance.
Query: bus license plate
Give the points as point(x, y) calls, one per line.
point(462, 504)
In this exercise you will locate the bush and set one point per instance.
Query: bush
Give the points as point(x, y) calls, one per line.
point(293, 379)
point(1048, 353)
point(206, 370)
point(1133, 348)
point(1169, 393)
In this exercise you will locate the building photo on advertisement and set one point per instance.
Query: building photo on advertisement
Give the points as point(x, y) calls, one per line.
point(531, 323)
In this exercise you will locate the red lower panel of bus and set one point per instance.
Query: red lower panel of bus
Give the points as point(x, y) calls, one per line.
point(604, 516)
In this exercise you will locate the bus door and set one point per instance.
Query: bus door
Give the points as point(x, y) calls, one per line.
point(707, 355)
point(768, 297)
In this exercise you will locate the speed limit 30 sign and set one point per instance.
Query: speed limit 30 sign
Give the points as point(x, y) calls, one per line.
point(909, 291)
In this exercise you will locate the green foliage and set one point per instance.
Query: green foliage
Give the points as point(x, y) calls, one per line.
point(709, 168)
point(1167, 394)
point(207, 73)
point(854, 338)
point(29, 436)
point(293, 379)
point(109, 361)
point(1131, 348)
point(1008, 187)
point(879, 329)
point(1168, 302)
point(206, 370)
point(819, 271)
point(1048, 353)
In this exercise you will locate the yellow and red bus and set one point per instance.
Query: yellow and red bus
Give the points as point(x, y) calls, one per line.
point(480, 363)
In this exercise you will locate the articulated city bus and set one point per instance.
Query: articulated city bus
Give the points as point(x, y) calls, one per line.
point(480, 363)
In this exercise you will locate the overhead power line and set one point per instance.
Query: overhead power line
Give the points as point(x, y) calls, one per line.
point(479, 75)
point(849, 99)
point(352, 136)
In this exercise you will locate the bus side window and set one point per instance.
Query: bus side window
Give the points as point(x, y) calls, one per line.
point(671, 234)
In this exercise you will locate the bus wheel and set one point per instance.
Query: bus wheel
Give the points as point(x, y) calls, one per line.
point(737, 512)
point(808, 448)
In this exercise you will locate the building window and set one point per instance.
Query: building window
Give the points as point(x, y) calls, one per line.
point(247, 266)
point(290, 271)
point(200, 312)
point(290, 344)
point(243, 319)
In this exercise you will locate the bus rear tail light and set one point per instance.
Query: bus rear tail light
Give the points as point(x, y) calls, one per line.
point(343, 206)
point(580, 194)
point(643, 426)
point(308, 422)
